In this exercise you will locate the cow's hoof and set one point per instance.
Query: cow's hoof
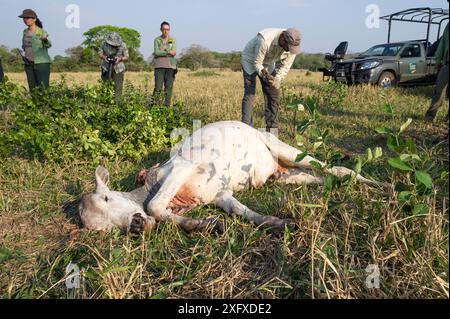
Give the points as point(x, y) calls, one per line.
point(280, 226)
point(289, 223)
point(139, 224)
point(214, 225)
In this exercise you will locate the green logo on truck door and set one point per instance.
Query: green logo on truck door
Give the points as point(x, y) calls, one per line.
point(412, 67)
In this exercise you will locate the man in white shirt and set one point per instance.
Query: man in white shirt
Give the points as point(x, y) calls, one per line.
point(268, 56)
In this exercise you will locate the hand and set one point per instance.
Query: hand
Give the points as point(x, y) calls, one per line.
point(275, 83)
point(44, 38)
point(264, 73)
point(173, 53)
point(118, 59)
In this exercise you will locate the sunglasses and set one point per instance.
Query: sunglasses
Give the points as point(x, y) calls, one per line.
point(165, 29)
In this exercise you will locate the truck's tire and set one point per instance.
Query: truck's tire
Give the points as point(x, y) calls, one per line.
point(387, 80)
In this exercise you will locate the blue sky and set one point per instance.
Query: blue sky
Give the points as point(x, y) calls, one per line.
point(217, 25)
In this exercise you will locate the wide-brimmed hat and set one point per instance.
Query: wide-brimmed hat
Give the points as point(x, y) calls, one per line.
point(293, 38)
point(28, 13)
point(114, 39)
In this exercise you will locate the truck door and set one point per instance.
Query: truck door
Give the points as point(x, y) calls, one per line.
point(412, 63)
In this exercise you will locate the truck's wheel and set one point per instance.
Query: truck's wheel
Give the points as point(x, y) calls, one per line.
point(387, 80)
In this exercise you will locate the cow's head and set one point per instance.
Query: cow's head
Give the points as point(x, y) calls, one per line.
point(105, 209)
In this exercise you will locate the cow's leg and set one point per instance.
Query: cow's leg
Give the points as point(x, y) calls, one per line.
point(193, 224)
point(296, 176)
point(176, 177)
point(231, 205)
point(179, 174)
point(287, 155)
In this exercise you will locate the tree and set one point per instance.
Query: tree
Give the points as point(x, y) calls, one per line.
point(233, 61)
point(12, 60)
point(196, 57)
point(76, 54)
point(309, 61)
point(88, 52)
point(96, 35)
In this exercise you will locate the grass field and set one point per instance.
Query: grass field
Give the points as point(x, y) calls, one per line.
point(337, 238)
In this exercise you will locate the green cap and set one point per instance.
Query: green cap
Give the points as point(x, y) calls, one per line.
point(28, 13)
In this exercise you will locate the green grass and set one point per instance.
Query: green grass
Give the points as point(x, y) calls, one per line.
point(336, 238)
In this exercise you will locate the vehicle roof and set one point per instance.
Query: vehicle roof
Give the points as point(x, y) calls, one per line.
point(401, 42)
point(419, 15)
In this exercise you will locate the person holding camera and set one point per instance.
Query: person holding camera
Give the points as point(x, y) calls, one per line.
point(165, 50)
point(269, 56)
point(35, 44)
point(114, 53)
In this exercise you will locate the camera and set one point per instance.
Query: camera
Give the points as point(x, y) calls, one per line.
point(111, 59)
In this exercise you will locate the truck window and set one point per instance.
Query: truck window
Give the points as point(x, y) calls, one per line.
point(390, 49)
point(412, 51)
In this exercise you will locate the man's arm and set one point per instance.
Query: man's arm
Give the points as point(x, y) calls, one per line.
point(261, 52)
point(101, 53)
point(125, 56)
point(284, 66)
point(173, 52)
point(158, 52)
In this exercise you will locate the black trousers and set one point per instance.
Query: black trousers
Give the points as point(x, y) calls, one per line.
point(37, 74)
point(440, 96)
point(164, 77)
point(271, 101)
point(2, 75)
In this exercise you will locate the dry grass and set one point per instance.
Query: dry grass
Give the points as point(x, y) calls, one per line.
point(325, 257)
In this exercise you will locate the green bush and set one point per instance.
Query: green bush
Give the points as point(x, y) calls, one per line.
point(9, 94)
point(330, 94)
point(85, 123)
point(205, 73)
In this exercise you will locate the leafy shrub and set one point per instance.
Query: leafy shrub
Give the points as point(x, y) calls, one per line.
point(415, 172)
point(330, 94)
point(205, 73)
point(9, 94)
point(85, 123)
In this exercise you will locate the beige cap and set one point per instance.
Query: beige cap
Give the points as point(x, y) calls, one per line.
point(293, 38)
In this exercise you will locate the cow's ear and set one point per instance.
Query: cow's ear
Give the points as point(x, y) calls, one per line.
point(140, 177)
point(101, 178)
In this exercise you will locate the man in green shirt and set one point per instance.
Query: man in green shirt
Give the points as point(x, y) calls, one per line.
point(165, 50)
point(441, 89)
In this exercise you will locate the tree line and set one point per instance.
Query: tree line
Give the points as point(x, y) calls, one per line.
point(84, 57)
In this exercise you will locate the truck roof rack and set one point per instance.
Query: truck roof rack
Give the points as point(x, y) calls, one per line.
point(430, 16)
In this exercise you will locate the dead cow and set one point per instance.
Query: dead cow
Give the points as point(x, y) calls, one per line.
point(211, 164)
